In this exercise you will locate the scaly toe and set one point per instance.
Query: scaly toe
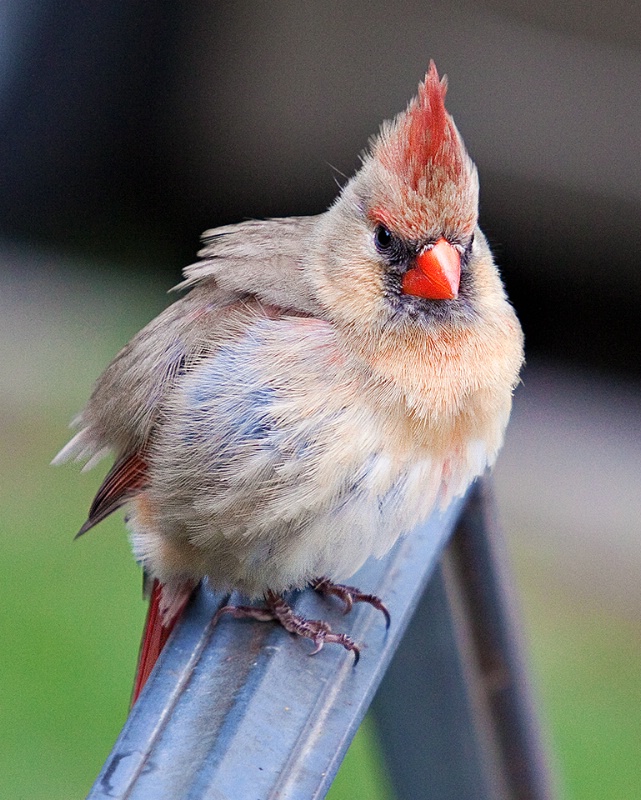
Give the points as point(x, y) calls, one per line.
point(245, 612)
point(350, 595)
point(317, 630)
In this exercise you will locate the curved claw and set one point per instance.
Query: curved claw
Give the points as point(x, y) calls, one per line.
point(377, 603)
point(336, 638)
point(348, 599)
point(350, 595)
point(319, 641)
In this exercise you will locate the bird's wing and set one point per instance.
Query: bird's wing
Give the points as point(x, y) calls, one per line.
point(125, 479)
point(249, 263)
point(260, 257)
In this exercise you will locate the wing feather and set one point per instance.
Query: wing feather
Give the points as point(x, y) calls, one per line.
point(125, 479)
point(261, 258)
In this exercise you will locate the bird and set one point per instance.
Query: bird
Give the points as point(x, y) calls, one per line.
point(323, 384)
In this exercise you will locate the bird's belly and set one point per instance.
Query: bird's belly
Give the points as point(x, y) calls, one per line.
point(283, 481)
point(326, 522)
point(365, 521)
point(337, 535)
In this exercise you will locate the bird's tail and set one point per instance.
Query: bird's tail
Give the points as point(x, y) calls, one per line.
point(165, 610)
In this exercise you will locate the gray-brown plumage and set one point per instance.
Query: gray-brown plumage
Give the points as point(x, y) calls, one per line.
point(322, 386)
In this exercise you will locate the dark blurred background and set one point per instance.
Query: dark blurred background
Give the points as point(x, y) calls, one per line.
point(128, 128)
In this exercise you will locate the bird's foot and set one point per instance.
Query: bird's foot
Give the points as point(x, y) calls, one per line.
point(277, 610)
point(350, 595)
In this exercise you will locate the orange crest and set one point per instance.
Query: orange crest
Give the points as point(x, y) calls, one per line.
point(423, 137)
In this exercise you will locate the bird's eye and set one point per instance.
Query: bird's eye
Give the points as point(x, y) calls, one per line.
point(382, 238)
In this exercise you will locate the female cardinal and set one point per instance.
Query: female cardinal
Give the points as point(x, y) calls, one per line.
point(324, 384)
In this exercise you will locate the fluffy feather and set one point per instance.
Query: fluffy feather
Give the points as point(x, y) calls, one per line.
point(297, 409)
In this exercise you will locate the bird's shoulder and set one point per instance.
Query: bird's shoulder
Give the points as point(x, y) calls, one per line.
point(260, 258)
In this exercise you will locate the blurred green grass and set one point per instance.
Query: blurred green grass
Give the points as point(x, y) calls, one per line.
point(586, 662)
point(72, 612)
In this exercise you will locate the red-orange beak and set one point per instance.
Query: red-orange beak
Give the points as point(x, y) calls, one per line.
point(437, 273)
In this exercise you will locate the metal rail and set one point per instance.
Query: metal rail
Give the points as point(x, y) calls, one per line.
point(241, 710)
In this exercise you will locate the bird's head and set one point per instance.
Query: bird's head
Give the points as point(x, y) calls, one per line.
point(399, 244)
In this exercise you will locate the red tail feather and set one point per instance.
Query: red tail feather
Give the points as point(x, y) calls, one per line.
point(157, 631)
point(123, 481)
